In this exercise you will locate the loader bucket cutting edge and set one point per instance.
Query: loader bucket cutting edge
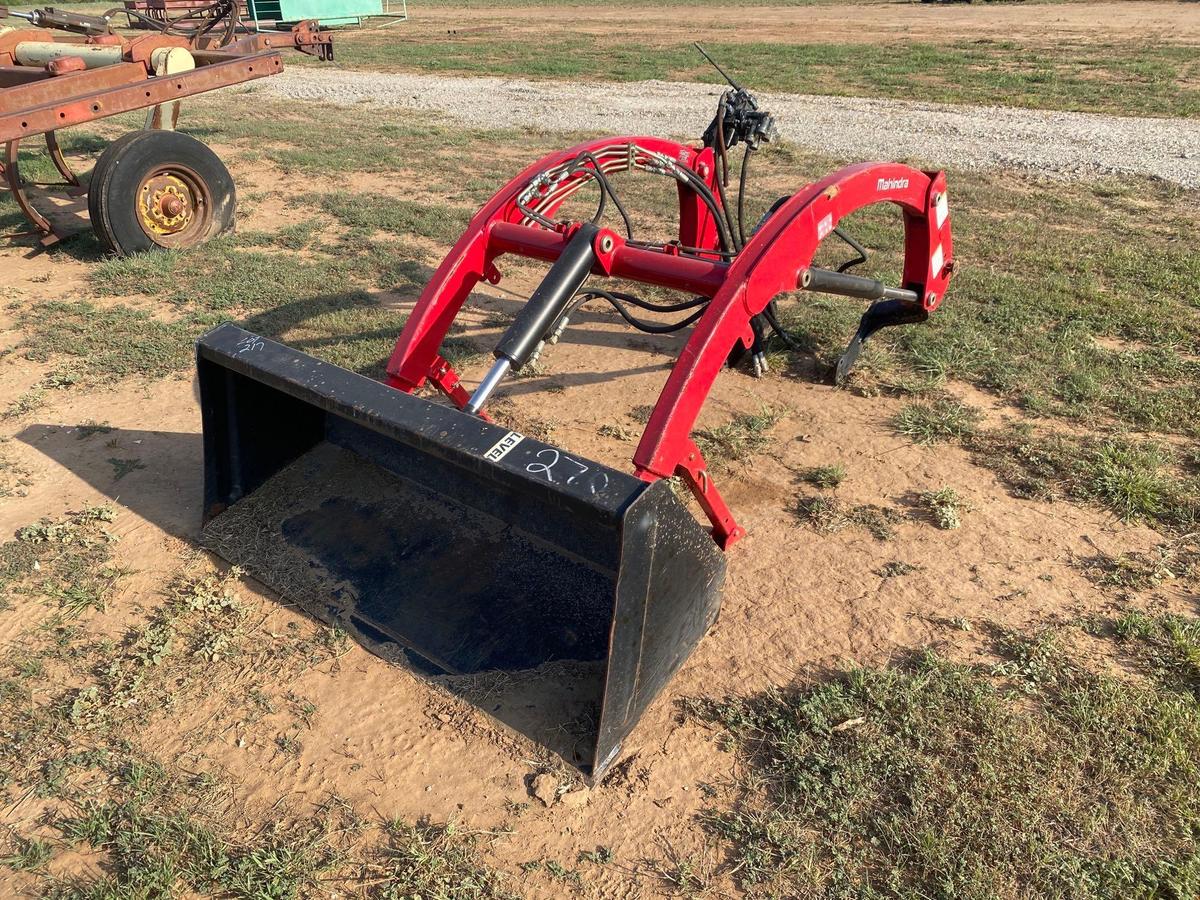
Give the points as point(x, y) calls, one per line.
point(556, 593)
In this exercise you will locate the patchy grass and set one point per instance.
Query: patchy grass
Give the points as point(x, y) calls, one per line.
point(437, 221)
point(65, 562)
point(1135, 480)
point(829, 516)
point(114, 342)
point(315, 306)
point(745, 435)
point(30, 854)
point(825, 477)
point(1177, 558)
point(943, 419)
point(79, 752)
point(1168, 644)
point(931, 778)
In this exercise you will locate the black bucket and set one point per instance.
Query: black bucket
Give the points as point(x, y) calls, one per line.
point(557, 594)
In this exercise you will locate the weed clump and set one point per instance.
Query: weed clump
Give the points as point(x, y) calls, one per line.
point(946, 506)
point(739, 439)
point(1168, 645)
point(1178, 558)
point(825, 477)
point(830, 516)
point(943, 419)
point(66, 560)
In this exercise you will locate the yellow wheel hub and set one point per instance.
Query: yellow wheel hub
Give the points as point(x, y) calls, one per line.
point(166, 204)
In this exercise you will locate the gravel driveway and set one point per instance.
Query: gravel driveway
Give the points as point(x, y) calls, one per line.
point(1059, 144)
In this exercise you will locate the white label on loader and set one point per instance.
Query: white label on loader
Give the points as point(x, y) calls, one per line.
point(936, 263)
point(824, 227)
point(501, 448)
point(943, 209)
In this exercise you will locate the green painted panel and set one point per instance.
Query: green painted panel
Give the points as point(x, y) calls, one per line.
point(327, 11)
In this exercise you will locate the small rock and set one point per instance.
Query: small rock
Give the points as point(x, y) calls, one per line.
point(545, 788)
point(577, 799)
point(444, 718)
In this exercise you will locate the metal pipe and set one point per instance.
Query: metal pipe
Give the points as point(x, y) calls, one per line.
point(681, 273)
point(826, 281)
point(38, 53)
point(494, 376)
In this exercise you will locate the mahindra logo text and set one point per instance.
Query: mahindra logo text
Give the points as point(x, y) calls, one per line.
point(891, 184)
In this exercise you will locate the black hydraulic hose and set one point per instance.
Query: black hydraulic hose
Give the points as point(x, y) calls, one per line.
point(772, 317)
point(741, 198)
point(605, 187)
point(642, 324)
point(722, 150)
point(603, 204)
point(728, 217)
point(856, 246)
point(722, 177)
point(641, 303)
point(531, 213)
point(697, 184)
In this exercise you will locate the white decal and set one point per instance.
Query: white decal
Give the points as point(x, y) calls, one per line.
point(935, 264)
point(891, 184)
point(824, 227)
point(501, 448)
point(943, 209)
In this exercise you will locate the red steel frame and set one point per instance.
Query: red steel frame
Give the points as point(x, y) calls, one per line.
point(770, 264)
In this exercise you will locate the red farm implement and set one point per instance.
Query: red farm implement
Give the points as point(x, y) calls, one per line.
point(558, 593)
point(150, 188)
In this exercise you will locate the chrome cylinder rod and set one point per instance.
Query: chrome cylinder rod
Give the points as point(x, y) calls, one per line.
point(494, 376)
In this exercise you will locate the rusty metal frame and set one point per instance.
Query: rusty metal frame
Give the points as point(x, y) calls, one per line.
point(41, 100)
point(78, 101)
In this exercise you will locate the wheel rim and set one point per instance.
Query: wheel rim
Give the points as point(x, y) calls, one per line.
point(174, 206)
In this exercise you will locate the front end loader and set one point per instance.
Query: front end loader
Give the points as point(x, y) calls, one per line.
point(558, 594)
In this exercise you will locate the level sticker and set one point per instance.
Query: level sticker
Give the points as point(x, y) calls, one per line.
point(501, 448)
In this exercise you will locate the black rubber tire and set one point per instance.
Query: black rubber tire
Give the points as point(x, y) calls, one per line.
point(123, 167)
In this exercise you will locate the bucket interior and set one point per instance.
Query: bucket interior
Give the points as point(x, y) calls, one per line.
point(554, 593)
point(493, 613)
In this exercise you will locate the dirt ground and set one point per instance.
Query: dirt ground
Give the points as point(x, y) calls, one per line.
point(1177, 23)
point(796, 602)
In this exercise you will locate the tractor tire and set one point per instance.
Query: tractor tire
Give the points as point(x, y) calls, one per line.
point(159, 190)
